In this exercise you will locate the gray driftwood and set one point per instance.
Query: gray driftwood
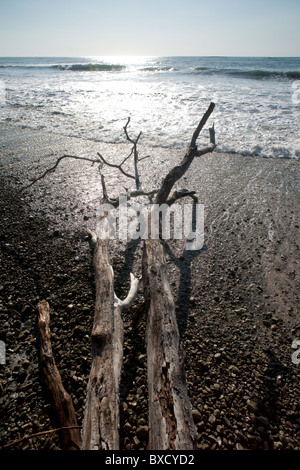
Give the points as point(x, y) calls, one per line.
point(171, 424)
point(101, 418)
point(61, 399)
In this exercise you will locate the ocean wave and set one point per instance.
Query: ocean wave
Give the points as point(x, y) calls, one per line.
point(91, 67)
point(22, 66)
point(254, 74)
point(265, 74)
point(251, 74)
point(72, 67)
point(157, 69)
point(201, 69)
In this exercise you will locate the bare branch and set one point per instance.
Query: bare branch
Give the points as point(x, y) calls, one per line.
point(112, 165)
point(92, 238)
point(52, 169)
point(178, 171)
point(136, 159)
point(132, 294)
point(212, 134)
point(212, 145)
point(202, 124)
point(38, 434)
point(134, 142)
point(180, 194)
point(143, 158)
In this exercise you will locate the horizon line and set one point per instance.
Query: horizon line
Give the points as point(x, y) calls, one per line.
point(148, 55)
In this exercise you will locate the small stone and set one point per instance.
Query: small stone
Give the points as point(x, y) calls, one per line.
point(200, 425)
point(239, 446)
point(196, 416)
point(233, 369)
point(263, 420)
point(78, 330)
point(216, 388)
point(127, 426)
point(212, 419)
point(252, 405)
point(26, 309)
point(141, 358)
point(26, 364)
point(142, 432)
point(277, 445)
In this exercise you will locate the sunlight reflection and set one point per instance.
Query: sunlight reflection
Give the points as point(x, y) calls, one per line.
point(122, 60)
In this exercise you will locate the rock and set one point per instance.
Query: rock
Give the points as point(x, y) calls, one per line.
point(212, 419)
point(216, 388)
point(127, 426)
point(239, 446)
point(263, 420)
point(79, 330)
point(26, 310)
point(142, 432)
point(196, 416)
point(233, 369)
point(252, 406)
point(141, 358)
point(26, 363)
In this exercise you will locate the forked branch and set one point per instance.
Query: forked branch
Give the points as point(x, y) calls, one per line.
point(178, 171)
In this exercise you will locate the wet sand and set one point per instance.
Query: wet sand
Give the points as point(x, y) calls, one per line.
point(237, 298)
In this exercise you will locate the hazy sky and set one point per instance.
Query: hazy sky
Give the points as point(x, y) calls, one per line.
point(152, 27)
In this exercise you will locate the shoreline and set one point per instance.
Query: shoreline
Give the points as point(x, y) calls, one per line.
point(237, 300)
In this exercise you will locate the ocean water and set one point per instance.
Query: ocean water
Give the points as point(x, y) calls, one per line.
point(257, 100)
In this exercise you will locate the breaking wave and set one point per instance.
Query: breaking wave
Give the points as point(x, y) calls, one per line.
point(90, 67)
point(73, 67)
point(252, 74)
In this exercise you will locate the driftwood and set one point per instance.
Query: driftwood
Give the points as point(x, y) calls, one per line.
point(171, 424)
point(101, 419)
point(62, 400)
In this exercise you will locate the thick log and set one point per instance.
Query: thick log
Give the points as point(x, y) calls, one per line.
point(171, 424)
point(62, 400)
point(101, 418)
point(100, 425)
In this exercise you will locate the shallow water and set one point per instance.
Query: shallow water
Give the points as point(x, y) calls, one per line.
point(257, 99)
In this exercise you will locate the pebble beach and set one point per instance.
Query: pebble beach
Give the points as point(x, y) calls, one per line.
point(237, 298)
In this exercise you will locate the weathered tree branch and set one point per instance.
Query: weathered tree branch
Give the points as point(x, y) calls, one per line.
point(37, 434)
point(101, 418)
point(112, 165)
point(62, 400)
point(135, 154)
point(171, 424)
point(53, 168)
point(180, 194)
point(178, 171)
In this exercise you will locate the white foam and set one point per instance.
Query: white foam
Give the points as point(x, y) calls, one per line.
point(254, 117)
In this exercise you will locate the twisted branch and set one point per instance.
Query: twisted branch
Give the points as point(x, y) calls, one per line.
point(53, 168)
